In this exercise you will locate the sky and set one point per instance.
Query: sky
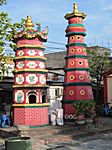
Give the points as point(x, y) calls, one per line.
point(98, 22)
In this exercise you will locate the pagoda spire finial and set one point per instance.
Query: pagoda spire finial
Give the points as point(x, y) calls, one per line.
point(75, 8)
point(28, 23)
point(75, 13)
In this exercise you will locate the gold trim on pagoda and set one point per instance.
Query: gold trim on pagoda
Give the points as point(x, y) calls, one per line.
point(22, 57)
point(44, 104)
point(38, 70)
point(31, 85)
point(75, 13)
point(28, 45)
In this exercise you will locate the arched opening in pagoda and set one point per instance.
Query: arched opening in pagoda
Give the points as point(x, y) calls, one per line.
point(32, 98)
point(43, 97)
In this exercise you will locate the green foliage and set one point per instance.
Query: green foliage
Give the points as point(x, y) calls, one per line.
point(7, 31)
point(98, 63)
point(3, 2)
point(5, 25)
point(82, 106)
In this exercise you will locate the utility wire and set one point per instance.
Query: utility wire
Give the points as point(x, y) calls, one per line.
point(47, 42)
point(56, 42)
point(55, 48)
point(50, 47)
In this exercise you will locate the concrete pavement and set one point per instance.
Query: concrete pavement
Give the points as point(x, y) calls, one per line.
point(48, 137)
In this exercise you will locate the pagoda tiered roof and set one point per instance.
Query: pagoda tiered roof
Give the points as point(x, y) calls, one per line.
point(30, 33)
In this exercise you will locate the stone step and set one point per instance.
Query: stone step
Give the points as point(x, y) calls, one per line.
point(52, 130)
point(8, 132)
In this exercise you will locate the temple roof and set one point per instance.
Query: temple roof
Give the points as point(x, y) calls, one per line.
point(30, 33)
point(75, 13)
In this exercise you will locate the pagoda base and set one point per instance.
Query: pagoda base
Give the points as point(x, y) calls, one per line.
point(69, 112)
point(32, 115)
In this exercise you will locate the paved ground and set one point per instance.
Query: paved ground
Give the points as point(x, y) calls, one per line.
point(97, 142)
point(101, 142)
point(84, 137)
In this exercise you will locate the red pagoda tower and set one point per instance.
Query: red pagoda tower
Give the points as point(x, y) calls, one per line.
point(30, 100)
point(77, 85)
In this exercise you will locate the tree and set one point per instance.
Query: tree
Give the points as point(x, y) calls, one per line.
point(98, 63)
point(3, 2)
point(7, 30)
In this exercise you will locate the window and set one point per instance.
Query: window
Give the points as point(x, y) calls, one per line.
point(57, 92)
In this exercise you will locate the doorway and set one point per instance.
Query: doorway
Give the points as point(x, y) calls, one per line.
point(32, 98)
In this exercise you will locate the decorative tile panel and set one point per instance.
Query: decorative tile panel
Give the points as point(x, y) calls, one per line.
point(20, 79)
point(41, 65)
point(19, 96)
point(31, 52)
point(20, 65)
point(31, 78)
point(41, 53)
point(42, 79)
point(20, 53)
point(31, 64)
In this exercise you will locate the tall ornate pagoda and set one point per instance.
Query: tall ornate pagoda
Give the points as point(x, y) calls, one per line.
point(77, 85)
point(30, 99)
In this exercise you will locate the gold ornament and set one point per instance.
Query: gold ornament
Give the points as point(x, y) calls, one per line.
point(72, 38)
point(80, 62)
point(28, 23)
point(81, 77)
point(78, 37)
point(72, 50)
point(79, 50)
point(72, 77)
point(82, 92)
point(75, 13)
point(71, 92)
point(72, 62)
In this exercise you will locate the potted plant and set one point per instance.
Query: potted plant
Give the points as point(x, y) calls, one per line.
point(84, 109)
point(80, 113)
point(90, 111)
